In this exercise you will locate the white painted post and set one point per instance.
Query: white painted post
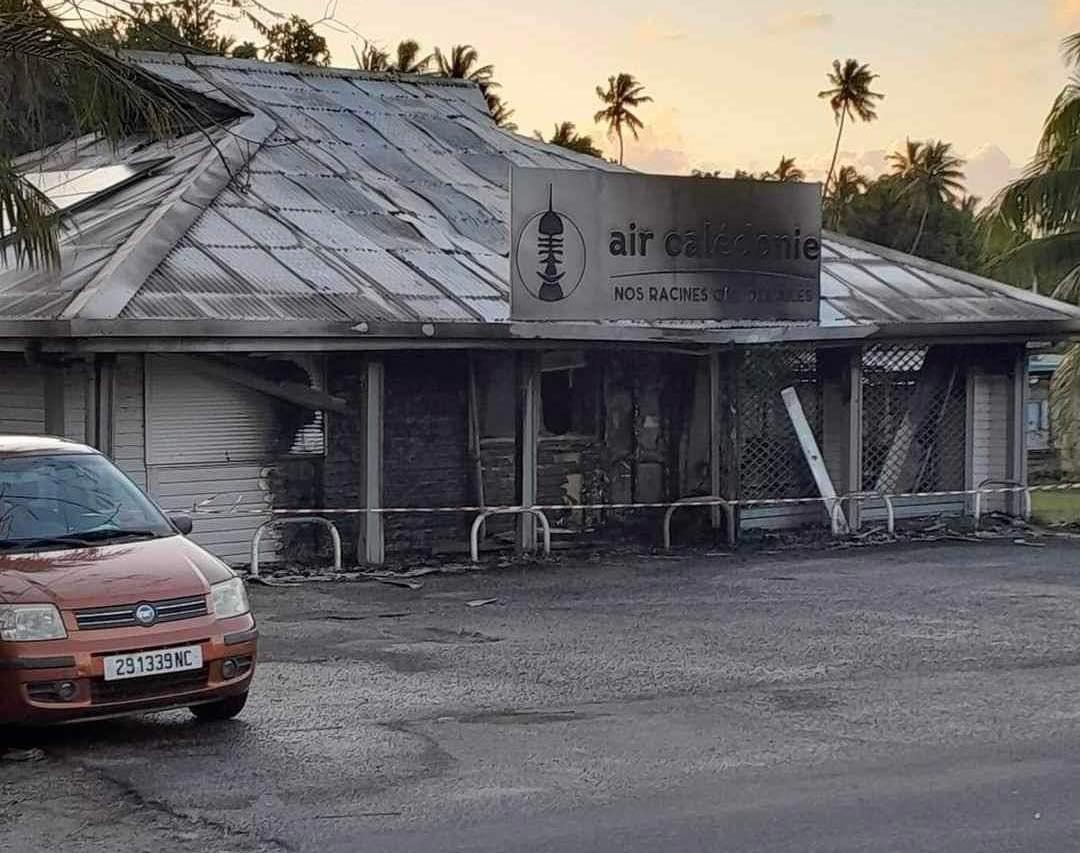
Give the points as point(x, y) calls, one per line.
point(528, 440)
point(813, 458)
point(374, 544)
point(715, 482)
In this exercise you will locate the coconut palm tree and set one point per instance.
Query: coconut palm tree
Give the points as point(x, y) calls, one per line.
point(932, 175)
point(785, 172)
point(463, 63)
point(372, 58)
point(409, 60)
point(61, 85)
point(847, 185)
point(565, 135)
point(622, 95)
point(1035, 224)
point(849, 96)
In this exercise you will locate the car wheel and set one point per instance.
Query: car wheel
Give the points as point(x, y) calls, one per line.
point(222, 709)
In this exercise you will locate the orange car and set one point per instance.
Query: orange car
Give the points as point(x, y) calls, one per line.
point(105, 607)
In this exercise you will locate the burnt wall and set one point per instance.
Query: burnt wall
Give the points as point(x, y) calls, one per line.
point(425, 448)
point(343, 477)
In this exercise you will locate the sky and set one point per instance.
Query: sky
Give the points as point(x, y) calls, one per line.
point(735, 83)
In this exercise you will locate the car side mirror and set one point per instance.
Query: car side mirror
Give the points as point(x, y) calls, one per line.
point(181, 521)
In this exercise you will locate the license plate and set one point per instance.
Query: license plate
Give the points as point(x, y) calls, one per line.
point(156, 662)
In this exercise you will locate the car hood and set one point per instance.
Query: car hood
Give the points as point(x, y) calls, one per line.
point(121, 573)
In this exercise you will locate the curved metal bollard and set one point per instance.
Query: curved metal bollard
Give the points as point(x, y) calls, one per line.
point(861, 496)
point(335, 538)
point(474, 544)
point(706, 500)
point(986, 484)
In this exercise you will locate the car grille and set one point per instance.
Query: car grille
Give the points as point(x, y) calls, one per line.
point(123, 615)
point(149, 687)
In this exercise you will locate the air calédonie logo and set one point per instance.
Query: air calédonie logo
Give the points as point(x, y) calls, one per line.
point(550, 254)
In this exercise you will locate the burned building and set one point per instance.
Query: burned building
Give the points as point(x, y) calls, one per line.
point(307, 306)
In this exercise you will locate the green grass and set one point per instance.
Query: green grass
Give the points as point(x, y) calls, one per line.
point(1056, 507)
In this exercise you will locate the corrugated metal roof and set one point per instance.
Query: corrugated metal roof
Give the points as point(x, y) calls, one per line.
point(385, 198)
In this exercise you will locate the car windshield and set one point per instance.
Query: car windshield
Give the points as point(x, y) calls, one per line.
point(74, 499)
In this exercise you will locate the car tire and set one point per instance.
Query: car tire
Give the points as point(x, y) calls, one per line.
point(222, 709)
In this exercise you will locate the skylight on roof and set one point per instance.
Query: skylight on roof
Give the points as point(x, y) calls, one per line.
point(74, 187)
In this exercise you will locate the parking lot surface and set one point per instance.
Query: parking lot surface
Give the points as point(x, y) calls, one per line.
point(899, 698)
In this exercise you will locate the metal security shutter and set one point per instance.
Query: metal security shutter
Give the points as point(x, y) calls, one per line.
point(22, 397)
point(198, 419)
point(210, 446)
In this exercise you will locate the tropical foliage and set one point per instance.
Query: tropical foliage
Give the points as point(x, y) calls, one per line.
point(785, 172)
point(932, 176)
point(296, 41)
point(406, 60)
point(565, 135)
point(846, 186)
point(1033, 236)
point(55, 84)
point(850, 96)
point(463, 63)
point(623, 95)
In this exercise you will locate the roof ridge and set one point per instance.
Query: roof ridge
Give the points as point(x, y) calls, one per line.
point(261, 65)
point(116, 283)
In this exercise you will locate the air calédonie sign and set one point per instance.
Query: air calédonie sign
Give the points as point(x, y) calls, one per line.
point(588, 244)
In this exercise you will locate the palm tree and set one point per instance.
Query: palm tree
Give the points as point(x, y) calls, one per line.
point(1035, 224)
point(92, 92)
point(849, 96)
point(409, 60)
point(847, 185)
point(932, 174)
point(500, 111)
point(785, 172)
point(463, 63)
point(371, 58)
point(904, 162)
point(566, 136)
point(622, 95)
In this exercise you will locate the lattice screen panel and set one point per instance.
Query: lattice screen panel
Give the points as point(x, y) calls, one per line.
point(771, 463)
point(914, 411)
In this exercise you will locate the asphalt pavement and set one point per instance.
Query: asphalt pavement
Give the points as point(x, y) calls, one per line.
point(881, 699)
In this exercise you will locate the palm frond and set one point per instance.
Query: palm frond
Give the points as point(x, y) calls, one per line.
point(28, 221)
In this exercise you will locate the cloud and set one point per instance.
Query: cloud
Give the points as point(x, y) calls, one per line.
point(651, 31)
point(987, 170)
point(661, 147)
point(799, 22)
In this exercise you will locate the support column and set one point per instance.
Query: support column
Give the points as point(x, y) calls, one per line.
point(55, 408)
point(841, 441)
point(528, 436)
point(716, 477)
point(1016, 459)
point(100, 403)
point(726, 446)
point(374, 544)
point(855, 437)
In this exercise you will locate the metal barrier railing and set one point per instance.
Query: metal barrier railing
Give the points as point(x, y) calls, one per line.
point(474, 533)
point(705, 500)
point(335, 538)
point(837, 507)
point(993, 486)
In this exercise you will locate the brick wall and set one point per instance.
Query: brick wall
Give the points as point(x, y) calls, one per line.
point(425, 448)
point(343, 476)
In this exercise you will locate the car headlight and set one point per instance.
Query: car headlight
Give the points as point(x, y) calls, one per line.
point(24, 622)
point(229, 598)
